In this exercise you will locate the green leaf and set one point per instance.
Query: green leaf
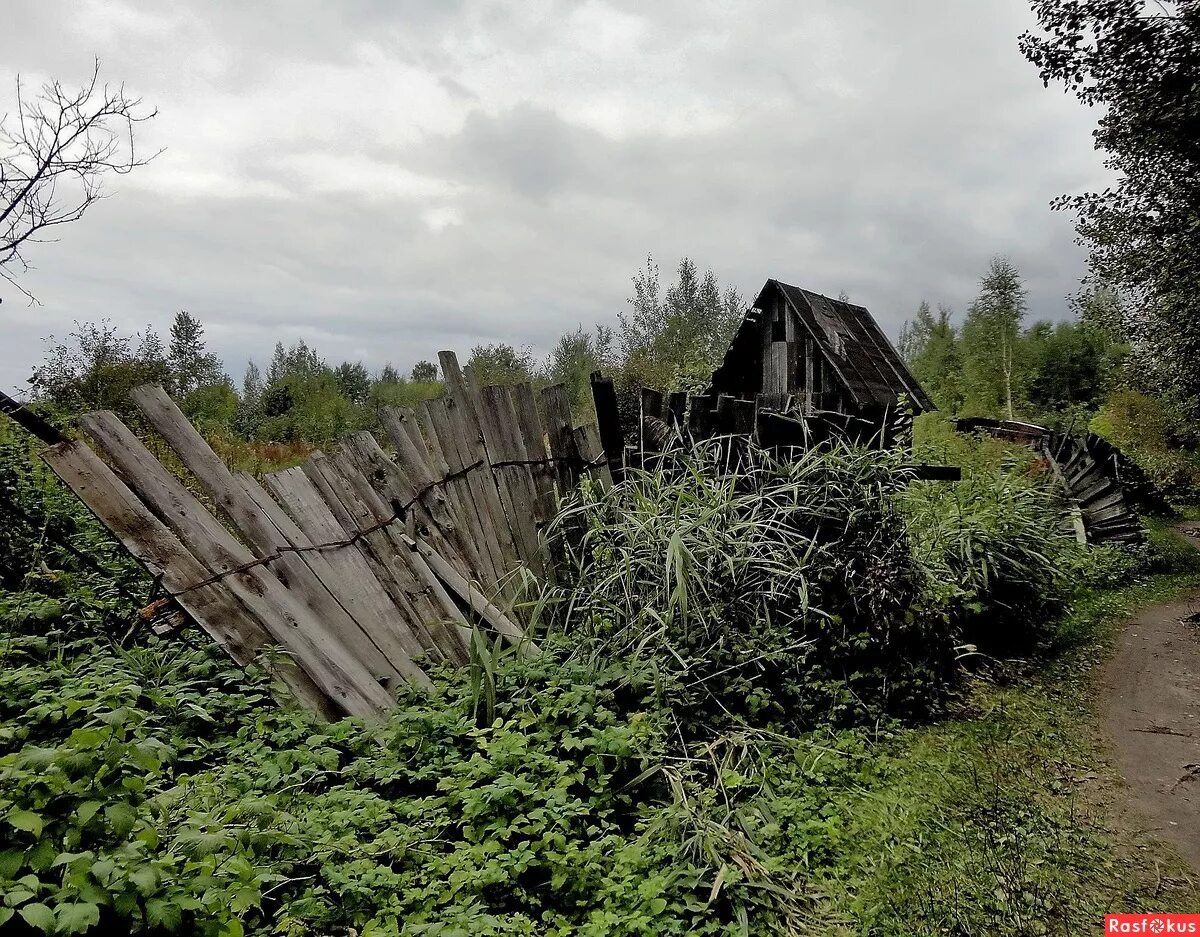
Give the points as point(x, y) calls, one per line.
point(146, 879)
point(38, 916)
point(78, 917)
point(64, 858)
point(121, 818)
point(42, 854)
point(26, 820)
point(86, 811)
point(232, 928)
point(11, 861)
point(162, 913)
point(5, 914)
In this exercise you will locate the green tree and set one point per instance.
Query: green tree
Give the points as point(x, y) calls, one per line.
point(192, 365)
point(424, 372)
point(389, 389)
point(304, 399)
point(501, 363)
point(675, 339)
point(930, 347)
point(573, 359)
point(1137, 63)
point(353, 381)
point(990, 342)
point(212, 406)
point(914, 334)
point(250, 405)
point(1066, 366)
point(96, 367)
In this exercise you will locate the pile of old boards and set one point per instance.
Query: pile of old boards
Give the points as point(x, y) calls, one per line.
point(346, 574)
point(1103, 488)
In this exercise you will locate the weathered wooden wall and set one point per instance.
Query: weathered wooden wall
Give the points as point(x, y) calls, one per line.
point(347, 574)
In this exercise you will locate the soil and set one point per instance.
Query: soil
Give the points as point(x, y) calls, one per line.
point(1152, 693)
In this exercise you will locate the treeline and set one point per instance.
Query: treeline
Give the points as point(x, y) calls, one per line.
point(993, 364)
point(1078, 374)
point(672, 336)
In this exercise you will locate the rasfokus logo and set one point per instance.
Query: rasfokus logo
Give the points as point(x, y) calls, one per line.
point(1152, 924)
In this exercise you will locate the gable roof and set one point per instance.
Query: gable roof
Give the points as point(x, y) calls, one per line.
point(849, 339)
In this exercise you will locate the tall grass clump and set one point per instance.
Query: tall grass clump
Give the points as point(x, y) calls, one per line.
point(761, 591)
point(994, 547)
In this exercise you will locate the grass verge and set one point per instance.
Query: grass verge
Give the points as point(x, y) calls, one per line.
point(1008, 818)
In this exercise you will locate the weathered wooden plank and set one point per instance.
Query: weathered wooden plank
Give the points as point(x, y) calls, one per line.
point(813, 394)
point(286, 616)
point(465, 486)
point(356, 585)
point(723, 415)
point(514, 482)
point(429, 603)
point(460, 392)
point(389, 654)
point(412, 426)
point(158, 549)
point(455, 623)
point(676, 409)
point(924, 471)
point(651, 403)
point(213, 607)
point(587, 443)
point(744, 417)
point(700, 416)
point(608, 420)
point(533, 435)
point(475, 600)
point(335, 477)
point(1113, 501)
point(429, 513)
point(297, 572)
point(464, 423)
point(556, 410)
point(446, 467)
point(774, 383)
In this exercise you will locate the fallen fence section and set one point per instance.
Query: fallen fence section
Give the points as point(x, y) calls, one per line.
point(1103, 488)
point(345, 575)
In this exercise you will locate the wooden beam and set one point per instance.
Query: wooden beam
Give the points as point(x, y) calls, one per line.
point(608, 420)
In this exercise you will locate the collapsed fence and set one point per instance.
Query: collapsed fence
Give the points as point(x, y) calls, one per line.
point(348, 575)
point(359, 564)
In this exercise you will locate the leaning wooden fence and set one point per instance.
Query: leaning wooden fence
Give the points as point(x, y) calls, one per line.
point(361, 563)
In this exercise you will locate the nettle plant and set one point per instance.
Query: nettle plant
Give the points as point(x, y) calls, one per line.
point(86, 750)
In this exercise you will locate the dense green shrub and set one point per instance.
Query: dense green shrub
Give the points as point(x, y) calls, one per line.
point(761, 591)
point(1157, 436)
point(994, 547)
point(991, 547)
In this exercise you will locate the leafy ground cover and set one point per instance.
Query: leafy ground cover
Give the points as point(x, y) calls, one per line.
point(149, 785)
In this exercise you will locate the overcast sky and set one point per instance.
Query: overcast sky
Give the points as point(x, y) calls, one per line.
point(387, 178)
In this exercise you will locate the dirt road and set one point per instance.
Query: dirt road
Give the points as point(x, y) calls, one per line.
point(1152, 695)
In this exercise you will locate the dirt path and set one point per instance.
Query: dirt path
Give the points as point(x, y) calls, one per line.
point(1152, 686)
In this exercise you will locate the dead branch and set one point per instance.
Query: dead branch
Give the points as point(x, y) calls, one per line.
point(56, 149)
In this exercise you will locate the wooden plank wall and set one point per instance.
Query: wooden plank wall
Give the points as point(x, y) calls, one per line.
point(362, 566)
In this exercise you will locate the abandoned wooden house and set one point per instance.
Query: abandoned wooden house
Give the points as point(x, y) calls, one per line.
point(801, 370)
point(798, 352)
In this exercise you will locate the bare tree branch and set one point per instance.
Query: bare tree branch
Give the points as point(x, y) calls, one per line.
point(55, 153)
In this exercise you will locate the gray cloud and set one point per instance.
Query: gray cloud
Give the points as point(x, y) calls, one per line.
point(387, 179)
